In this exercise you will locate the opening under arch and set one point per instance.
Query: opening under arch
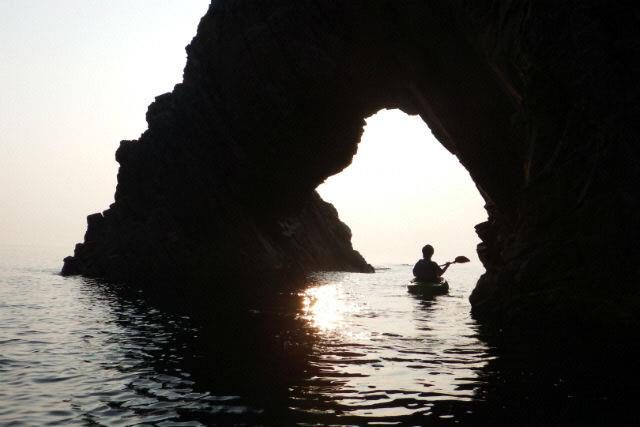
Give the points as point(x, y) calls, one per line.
point(404, 189)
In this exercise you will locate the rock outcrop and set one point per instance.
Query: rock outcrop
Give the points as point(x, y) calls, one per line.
point(538, 100)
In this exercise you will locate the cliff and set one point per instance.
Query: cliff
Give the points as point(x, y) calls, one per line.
point(537, 100)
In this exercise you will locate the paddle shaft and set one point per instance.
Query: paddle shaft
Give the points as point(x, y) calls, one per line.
point(456, 261)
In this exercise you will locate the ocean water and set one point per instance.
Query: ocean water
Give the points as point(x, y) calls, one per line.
point(346, 349)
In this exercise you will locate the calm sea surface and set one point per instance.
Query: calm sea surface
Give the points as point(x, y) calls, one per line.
point(348, 349)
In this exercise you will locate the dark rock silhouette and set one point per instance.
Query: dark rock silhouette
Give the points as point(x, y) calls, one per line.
point(538, 100)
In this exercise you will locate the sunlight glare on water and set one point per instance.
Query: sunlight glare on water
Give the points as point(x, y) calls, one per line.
point(381, 353)
point(325, 309)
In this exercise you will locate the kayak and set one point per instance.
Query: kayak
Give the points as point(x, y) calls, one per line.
point(428, 288)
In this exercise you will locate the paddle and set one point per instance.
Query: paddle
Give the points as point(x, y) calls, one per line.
point(459, 260)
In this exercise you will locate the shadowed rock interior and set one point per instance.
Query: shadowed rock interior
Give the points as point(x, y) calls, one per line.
point(538, 100)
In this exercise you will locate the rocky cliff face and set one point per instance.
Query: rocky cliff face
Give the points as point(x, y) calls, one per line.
point(566, 254)
point(537, 100)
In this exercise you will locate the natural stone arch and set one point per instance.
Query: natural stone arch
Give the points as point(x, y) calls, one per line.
point(273, 100)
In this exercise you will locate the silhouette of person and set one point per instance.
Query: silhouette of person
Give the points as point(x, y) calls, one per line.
point(427, 270)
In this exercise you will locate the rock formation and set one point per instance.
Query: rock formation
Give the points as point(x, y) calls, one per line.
point(538, 100)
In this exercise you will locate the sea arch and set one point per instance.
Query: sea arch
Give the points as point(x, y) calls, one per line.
point(273, 101)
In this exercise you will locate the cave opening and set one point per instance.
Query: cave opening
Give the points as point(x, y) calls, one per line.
point(404, 189)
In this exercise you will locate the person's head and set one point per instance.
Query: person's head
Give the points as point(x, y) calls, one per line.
point(427, 252)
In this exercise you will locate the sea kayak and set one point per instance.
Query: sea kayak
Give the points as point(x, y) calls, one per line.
point(417, 287)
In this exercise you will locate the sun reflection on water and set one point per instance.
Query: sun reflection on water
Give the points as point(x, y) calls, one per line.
point(326, 307)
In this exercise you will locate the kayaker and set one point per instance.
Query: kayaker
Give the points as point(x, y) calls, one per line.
point(427, 270)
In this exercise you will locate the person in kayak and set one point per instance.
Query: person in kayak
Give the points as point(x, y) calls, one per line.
point(427, 270)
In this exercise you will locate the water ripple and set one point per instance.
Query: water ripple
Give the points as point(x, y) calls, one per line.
point(351, 349)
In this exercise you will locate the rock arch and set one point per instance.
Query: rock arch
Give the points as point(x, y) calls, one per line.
point(536, 100)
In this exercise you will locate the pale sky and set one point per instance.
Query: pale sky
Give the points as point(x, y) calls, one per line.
point(76, 77)
point(404, 189)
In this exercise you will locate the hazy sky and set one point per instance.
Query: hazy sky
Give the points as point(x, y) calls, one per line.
point(76, 77)
point(404, 189)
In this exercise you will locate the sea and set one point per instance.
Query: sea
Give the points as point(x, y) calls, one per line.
point(343, 349)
